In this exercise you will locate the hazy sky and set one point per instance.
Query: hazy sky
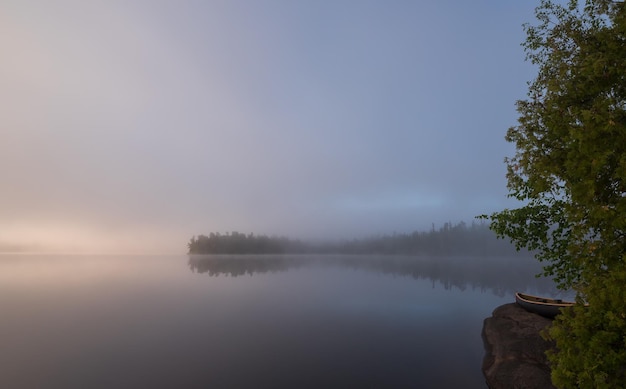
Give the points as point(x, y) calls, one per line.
point(132, 125)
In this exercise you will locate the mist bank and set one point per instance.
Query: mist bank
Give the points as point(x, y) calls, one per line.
point(460, 239)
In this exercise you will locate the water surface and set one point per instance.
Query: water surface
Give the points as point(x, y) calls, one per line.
point(243, 322)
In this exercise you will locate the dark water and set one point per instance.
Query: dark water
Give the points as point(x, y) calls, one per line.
point(246, 322)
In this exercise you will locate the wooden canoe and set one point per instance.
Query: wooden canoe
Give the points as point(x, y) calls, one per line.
point(547, 307)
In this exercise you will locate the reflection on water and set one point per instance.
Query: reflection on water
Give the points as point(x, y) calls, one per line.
point(296, 322)
point(500, 275)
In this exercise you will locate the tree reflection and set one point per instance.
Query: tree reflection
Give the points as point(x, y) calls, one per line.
point(500, 275)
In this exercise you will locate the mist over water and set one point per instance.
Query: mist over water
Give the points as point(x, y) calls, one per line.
point(248, 321)
point(325, 122)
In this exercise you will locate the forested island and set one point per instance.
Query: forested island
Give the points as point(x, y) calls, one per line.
point(458, 239)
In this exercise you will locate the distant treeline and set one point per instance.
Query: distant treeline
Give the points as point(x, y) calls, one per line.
point(459, 239)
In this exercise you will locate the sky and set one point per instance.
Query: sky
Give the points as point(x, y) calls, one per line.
point(132, 125)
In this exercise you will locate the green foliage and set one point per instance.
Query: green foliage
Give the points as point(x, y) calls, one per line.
point(591, 340)
point(570, 165)
point(569, 171)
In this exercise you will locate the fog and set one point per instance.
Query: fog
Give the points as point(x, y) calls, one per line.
point(131, 126)
point(148, 321)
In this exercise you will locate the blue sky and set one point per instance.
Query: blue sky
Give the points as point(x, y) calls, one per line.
point(133, 125)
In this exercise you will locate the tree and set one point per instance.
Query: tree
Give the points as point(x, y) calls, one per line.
point(569, 172)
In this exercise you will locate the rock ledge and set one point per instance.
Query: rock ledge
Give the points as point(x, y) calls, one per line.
point(514, 351)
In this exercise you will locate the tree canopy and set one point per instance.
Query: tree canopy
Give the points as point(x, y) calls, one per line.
point(569, 172)
point(458, 239)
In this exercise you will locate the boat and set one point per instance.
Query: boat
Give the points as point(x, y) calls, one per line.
point(547, 307)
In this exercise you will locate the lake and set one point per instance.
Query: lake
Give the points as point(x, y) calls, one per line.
point(114, 321)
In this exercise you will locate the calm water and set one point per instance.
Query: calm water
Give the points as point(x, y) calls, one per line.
point(245, 322)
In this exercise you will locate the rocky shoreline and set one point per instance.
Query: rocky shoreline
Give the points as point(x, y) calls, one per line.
point(514, 349)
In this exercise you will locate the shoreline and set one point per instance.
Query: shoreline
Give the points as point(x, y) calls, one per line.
point(514, 349)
